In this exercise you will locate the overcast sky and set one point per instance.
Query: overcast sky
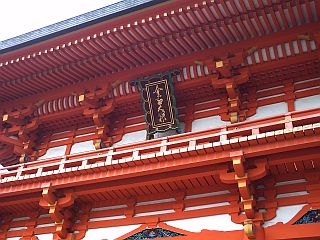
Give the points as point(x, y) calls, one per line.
point(22, 16)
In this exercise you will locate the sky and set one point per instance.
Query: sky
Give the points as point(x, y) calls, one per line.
point(21, 16)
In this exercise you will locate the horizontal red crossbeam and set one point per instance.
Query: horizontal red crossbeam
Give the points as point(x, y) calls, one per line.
point(181, 156)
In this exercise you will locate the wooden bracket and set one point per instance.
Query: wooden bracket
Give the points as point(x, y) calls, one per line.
point(130, 210)
point(238, 163)
point(100, 118)
point(6, 118)
point(94, 99)
point(10, 141)
point(97, 118)
point(28, 128)
point(225, 66)
point(229, 75)
point(104, 109)
point(24, 137)
point(179, 205)
point(6, 151)
point(243, 177)
point(89, 102)
point(60, 207)
point(18, 117)
point(14, 146)
point(27, 135)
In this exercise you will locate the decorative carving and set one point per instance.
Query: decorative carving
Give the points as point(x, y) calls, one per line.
point(312, 216)
point(152, 233)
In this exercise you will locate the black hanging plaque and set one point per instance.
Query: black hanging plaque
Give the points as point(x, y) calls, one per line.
point(158, 103)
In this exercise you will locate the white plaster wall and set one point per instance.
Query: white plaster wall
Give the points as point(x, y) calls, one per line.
point(132, 137)
point(109, 233)
point(45, 236)
point(307, 102)
point(55, 152)
point(270, 110)
point(218, 222)
point(284, 214)
point(82, 147)
point(207, 123)
point(3, 170)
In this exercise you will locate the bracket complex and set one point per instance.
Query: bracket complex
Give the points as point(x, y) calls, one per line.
point(61, 210)
point(98, 107)
point(244, 177)
point(230, 74)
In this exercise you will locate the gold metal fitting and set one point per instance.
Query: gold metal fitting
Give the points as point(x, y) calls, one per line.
point(219, 64)
point(249, 229)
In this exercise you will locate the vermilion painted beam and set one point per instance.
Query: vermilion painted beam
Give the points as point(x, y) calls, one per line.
point(10, 141)
point(154, 172)
point(293, 232)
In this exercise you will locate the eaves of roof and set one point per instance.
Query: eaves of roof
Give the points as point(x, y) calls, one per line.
point(75, 23)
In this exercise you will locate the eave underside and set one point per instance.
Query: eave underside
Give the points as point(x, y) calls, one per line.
point(176, 36)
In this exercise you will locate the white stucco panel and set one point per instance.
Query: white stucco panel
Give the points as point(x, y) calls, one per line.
point(218, 222)
point(284, 214)
point(3, 170)
point(109, 233)
point(270, 110)
point(55, 152)
point(82, 147)
point(307, 102)
point(132, 137)
point(48, 236)
point(207, 123)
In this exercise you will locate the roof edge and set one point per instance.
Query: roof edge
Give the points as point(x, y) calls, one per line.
point(75, 23)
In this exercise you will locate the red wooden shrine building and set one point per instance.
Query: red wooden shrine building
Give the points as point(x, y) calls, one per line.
point(85, 152)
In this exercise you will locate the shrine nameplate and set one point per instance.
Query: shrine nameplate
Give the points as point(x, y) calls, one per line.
point(158, 102)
